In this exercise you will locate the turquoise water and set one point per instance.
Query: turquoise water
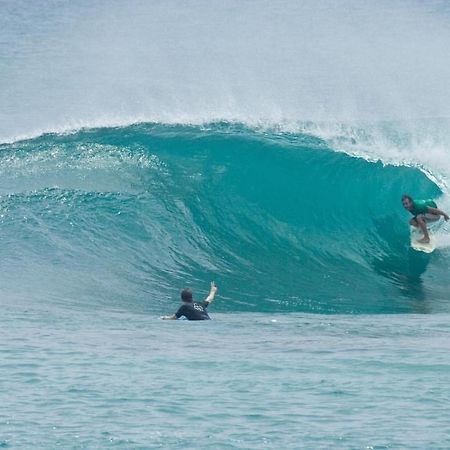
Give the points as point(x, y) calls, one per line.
point(149, 146)
point(102, 228)
point(82, 379)
point(282, 222)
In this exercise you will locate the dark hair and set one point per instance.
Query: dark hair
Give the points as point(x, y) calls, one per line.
point(406, 196)
point(186, 295)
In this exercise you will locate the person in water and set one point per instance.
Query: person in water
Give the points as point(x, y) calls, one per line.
point(423, 211)
point(193, 310)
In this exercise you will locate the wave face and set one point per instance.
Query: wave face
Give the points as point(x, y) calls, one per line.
point(126, 217)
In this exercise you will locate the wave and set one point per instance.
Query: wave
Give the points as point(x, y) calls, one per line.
point(127, 216)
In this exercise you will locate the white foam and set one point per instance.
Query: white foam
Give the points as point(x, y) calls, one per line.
point(293, 65)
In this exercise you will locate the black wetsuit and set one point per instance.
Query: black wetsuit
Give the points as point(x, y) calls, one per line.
point(193, 311)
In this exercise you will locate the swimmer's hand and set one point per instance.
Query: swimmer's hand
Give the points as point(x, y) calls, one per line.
point(212, 293)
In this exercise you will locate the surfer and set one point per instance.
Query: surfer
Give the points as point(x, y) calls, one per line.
point(423, 211)
point(193, 310)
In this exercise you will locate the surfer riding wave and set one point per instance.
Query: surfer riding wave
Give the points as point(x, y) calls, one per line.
point(424, 211)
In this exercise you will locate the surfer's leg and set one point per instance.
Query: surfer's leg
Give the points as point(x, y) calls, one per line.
point(431, 217)
point(413, 222)
point(423, 226)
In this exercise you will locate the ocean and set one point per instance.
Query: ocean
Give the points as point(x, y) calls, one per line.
point(149, 146)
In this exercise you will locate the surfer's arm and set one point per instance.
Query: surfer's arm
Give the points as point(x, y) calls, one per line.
point(437, 212)
point(172, 317)
point(212, 293)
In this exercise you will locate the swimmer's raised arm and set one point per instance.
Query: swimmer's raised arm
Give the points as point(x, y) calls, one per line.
point(212, 293)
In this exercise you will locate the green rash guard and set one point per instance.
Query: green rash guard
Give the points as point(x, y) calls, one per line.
point(421, 206)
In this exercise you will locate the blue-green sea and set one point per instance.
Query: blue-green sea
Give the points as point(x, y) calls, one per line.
point(82, 379)
point(149, 146)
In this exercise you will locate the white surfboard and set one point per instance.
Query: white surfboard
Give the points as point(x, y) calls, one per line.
point(416, 236)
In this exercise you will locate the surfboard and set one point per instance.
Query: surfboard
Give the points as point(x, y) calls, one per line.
point(416, 235)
